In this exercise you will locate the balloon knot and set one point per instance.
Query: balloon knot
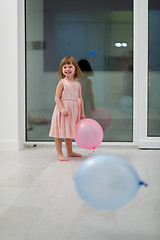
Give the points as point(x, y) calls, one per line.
point(143, 183)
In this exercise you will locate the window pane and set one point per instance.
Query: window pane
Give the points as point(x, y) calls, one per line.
point(154, 70)
point(99, 32)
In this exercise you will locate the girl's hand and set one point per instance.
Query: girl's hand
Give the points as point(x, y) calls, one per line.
point(82, 116)
point(64, 112)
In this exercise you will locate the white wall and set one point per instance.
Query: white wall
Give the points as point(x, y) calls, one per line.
point(8, 75)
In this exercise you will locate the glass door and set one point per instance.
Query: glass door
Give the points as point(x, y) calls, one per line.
point(153, 129)
point(149, 98)
point(97, 34)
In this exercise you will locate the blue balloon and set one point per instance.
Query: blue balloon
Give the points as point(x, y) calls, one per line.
point(125, 104)
point(107, 181)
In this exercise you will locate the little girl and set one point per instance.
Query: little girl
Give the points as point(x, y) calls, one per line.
point(69, 107)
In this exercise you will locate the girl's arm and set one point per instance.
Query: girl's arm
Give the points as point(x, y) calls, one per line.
point(82, 105)
point(58, 101)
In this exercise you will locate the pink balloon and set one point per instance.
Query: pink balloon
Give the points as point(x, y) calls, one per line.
point(89, 134)
point(102, 117)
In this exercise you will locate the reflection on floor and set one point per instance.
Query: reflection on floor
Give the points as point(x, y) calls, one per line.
point(38, 125)
point(120, 129)
point(38, 199)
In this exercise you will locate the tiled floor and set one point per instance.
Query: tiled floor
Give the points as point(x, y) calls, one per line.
point(38, 200)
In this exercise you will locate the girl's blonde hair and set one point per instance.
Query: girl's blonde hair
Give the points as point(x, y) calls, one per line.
point(70, 60)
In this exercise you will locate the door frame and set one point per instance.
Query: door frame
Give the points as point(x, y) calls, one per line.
point(143, 140)
point(140, 80)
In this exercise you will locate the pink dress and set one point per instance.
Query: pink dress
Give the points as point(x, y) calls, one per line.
point(64, 127)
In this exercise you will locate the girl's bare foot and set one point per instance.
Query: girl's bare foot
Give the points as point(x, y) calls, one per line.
point(73, 154)
point(61, 158)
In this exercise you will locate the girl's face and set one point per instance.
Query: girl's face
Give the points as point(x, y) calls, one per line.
point(68, 70)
